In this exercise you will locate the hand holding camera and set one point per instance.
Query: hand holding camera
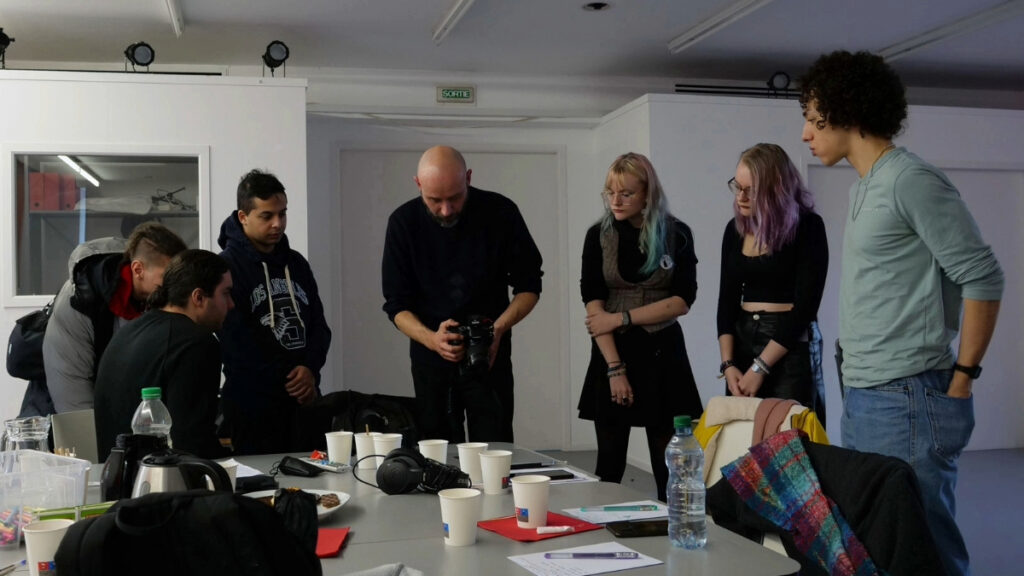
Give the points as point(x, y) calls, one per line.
point(477, 334)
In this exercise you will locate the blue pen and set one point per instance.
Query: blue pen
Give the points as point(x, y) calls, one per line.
point(622, 508)
point(591, 555)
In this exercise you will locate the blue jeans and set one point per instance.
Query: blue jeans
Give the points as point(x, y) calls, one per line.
point(913, 419)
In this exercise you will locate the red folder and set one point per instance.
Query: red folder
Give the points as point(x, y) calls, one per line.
point(509, 528)
point(329, 541)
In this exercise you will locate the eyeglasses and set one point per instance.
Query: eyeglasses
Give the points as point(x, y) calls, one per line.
point(735, 187)
point(626, 196)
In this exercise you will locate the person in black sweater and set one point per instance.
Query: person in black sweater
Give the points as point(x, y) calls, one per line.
point(774, 263)
point(639, 275)
point(450, 254)
point(171, 346)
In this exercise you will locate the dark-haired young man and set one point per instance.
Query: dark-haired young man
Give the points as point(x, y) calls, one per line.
point(276, 341)
point(912, 257)
point(109, 282)
point(171, 346)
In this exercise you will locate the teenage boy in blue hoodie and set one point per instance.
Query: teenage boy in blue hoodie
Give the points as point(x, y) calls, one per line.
point(276, 339)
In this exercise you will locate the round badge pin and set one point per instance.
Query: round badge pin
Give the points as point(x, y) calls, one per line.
point(666, 262)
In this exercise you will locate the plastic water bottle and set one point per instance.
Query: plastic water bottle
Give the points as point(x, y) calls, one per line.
point(152, 416)
point(687, 526)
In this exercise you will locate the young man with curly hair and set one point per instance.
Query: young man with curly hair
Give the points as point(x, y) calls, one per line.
point(913, 257)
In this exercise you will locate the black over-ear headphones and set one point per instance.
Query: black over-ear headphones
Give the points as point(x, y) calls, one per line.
point(405, 470)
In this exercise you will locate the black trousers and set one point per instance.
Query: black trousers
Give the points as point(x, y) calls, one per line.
point(446, 401)
point(790, 377)
point(613, 443)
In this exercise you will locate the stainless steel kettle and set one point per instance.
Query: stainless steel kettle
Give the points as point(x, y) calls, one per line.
point(173, 471)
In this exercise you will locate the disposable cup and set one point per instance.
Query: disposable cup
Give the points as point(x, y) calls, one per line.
point(364, 447)
point(469, 460)
point(41, 541)
point(495, 466)
point(530, 495)
point(435, 450)
point(339, 446)
point(384, 443)
point(460, 511)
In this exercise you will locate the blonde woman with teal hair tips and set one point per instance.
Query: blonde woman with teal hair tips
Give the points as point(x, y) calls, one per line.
point(639, 275)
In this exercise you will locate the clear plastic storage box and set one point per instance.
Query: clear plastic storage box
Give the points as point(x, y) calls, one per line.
point(30, 481)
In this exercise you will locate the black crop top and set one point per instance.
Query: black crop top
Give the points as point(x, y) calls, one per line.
point(684, 276)
point(795, 274)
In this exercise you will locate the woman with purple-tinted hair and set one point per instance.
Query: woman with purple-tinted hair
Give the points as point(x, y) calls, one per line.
point(774, 262)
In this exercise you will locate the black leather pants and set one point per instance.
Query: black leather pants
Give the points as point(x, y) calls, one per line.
point(790, 377)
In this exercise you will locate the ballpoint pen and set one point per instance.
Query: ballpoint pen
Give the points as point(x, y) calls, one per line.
point(621, 508)
point(8, 569)
point(591, 555)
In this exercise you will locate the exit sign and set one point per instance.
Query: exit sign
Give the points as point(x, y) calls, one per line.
point(460, 94)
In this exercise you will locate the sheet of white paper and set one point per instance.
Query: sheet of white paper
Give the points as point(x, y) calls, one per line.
point(577, 475)
point(541, 566)
point(244, 471)
point(603, 517)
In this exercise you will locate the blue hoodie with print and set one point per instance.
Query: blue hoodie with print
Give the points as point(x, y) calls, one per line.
point(277, 323)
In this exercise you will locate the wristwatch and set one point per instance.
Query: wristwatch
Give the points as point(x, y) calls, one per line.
point(973, 372)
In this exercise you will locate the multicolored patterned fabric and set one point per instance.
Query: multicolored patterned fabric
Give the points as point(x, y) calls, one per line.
point(777, 481)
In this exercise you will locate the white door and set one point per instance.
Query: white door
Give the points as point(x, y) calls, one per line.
point(375, 355)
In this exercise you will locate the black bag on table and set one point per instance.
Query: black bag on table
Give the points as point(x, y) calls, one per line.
point(198, 532)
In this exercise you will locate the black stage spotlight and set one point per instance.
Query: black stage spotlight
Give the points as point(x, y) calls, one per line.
point(275, 55)
point(139, 54)
point(5, 41)
point(778, 82)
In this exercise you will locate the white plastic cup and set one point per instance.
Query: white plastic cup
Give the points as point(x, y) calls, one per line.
point(530, 495)
point(364, 447)
point(495, 466)
point(435, 450)
point(384, 443)
point(41, 542)
point(460, 511)
point(231, 467)
point(469, 460)
point(339, 446)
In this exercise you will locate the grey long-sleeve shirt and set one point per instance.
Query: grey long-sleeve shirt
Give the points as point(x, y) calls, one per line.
point(911, 252)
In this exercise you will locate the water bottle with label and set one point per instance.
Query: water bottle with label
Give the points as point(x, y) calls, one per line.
point(687, 525)
point(152, 416)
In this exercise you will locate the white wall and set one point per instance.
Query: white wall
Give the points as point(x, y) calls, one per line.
point(243, 123)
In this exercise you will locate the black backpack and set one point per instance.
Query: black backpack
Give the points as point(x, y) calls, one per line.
point(352, 410)
point(25, 345)
point(196, 532)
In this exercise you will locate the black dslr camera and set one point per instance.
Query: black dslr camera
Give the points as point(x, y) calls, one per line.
point(477, 334)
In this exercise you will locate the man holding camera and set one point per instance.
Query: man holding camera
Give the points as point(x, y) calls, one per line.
point(450, 257)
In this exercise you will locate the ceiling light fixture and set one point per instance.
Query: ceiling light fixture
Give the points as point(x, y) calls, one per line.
point(713, 24)
point(596, 6)
point(79, 170)
point(177, 22)
point(139, 54)
point(5, 41)
point(1000, 13)
point(455, 13)
point(275, 55)
point(778, 81)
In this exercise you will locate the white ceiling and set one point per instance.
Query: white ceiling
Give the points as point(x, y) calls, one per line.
point(528, 37)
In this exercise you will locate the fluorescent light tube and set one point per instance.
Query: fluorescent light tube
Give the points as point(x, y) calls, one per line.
point(79, 170)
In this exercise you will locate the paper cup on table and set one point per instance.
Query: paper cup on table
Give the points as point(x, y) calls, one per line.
point(495, 466)
point(364, 448)
point(530, 495)
point(435, 450)
point(384, 443)
point(339, 446)
point(460, 511)
point(41, 542)
point(469, 460)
